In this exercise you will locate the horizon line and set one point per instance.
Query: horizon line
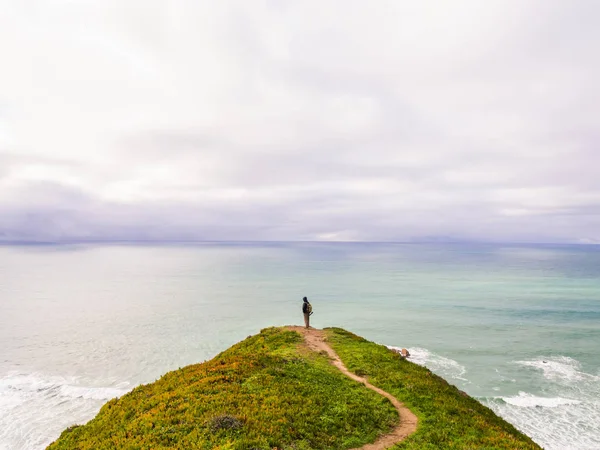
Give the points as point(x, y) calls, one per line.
point(246, 241)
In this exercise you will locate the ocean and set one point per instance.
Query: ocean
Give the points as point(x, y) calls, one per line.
point(515, 326)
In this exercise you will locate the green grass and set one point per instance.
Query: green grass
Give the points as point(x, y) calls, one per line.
point(448, 419)
point(270, 392)
point(263, 393)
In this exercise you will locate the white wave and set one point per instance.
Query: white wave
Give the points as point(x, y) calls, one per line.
point(526, 400)
point(566, 418)
point(556, 423)
point(562, 420)
point(91, 393)
point(56, 386)
point(445, 367)
point(560, 368)
point(35, 408)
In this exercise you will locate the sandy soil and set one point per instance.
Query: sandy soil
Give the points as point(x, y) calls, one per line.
point(315, 339)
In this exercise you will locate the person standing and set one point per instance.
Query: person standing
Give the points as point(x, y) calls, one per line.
point(307, 311)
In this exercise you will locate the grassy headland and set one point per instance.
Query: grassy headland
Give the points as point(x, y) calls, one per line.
point(269, 391)
point(448, 418)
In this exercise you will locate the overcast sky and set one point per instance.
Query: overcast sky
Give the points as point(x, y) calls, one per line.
point(300, 120)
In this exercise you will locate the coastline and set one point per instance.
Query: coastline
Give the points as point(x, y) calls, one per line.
point(248, 383)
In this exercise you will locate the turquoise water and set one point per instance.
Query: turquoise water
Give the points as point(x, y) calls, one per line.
point(515, 326)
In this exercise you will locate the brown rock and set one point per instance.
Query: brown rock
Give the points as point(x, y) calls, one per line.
point(405, 353)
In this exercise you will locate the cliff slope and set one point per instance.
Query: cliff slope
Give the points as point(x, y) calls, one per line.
point(275, 390)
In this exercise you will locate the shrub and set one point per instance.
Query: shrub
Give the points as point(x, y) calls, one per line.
point(224, 422)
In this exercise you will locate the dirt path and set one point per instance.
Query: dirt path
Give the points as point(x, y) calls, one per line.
point(408, 421)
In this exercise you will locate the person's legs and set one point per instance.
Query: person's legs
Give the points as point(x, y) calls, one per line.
point(306, 320)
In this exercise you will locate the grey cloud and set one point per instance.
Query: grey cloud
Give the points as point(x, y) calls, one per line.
point(14, 158)
point(72, 216)
point(343, 126)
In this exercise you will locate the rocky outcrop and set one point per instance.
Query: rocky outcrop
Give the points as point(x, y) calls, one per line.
point(402, 352)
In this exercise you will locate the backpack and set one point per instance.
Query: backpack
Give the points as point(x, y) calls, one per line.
point(308, 308)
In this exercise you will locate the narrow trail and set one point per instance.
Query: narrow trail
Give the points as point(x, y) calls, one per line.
point(315, 339)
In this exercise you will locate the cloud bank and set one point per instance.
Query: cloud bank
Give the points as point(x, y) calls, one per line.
point(280, 120)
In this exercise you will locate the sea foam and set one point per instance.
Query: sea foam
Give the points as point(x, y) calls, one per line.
point(564, 419)
point(526, 400)
point(556, 423)
point(560, 368)
point(35, 408)
point(445, 367)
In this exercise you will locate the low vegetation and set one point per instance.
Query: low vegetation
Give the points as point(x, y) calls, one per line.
point(448, 418)
point(266, 392)
point(270, 392)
